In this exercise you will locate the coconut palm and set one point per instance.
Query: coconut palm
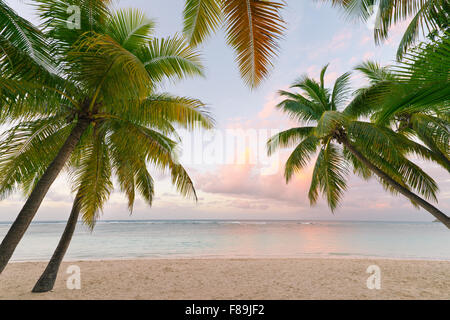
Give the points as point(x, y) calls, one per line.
point(122, 147)
point(428, 16)
point(429, 122)
point(253, 29)
point(342, 141)
point(108, 71)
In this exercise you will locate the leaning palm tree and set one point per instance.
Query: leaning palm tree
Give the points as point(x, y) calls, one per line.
point(253, 29)
point(124, 148)
point(343, 141)
point(428, 17)
point(109, 69)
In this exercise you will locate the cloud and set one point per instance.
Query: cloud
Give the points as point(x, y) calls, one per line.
point(246, 182)
point(365, 39)
point(368, 55)
point(341, 40)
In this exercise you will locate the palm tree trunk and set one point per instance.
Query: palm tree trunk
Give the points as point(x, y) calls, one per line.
point(47, 279)
point(30, 208)
point(404, 191)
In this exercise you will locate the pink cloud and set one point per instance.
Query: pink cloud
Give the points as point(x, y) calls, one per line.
point(246, 182)
point(340, 40)
point(365, 39)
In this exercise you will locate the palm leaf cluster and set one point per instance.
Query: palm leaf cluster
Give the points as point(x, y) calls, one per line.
point(24, 52)
point(253, 27)
point(414, 99)
point(335, 132)
point(428, 17)
point(107, 73)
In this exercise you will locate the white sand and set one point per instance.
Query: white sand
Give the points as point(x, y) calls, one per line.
point(235, 279)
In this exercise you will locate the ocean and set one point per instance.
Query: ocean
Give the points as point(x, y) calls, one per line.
point(237, 239)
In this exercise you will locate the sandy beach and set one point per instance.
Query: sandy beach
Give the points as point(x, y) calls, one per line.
point(235, 279)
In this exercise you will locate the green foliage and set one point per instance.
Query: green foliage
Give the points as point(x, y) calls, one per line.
point(411, 97)
point(428, 17)
point(109, 72)
point(332, 123)
point(253, 29)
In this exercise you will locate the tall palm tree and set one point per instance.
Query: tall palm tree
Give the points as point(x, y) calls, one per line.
point(109, 70)
point(342, 141)
point(428, 16)
point(123, 147)
point(253, 29)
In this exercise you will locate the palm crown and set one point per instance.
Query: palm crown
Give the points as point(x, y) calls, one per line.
point(97, 111)
point(109, 78)
point(343, 141)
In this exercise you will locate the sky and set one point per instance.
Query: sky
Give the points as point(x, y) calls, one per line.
point(237, 180)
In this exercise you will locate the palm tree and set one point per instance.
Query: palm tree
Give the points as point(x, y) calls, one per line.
point(342, 141)
point(123, 146)
point(253, 29)
point(108, 70)
point(430, 16)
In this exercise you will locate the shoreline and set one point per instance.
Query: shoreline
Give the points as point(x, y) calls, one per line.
point(235, 279)
point(334, 257)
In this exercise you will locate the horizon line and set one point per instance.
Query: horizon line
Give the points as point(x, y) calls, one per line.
point(262, 220)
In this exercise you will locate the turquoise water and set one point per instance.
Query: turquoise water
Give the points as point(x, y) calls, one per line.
point(254, 239)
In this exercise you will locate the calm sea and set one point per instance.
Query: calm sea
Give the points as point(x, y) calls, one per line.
point(254, 239)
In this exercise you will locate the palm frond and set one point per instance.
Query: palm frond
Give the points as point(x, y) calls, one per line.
point(288, 138)
point(329, 176)
point(183, 111)
point(100, 64)
point(254, 28)
point(298, 107)
point(200, 19)
point(92, 178)
point(314, 92)
point(170, 58)
point(428, 17)
point(55, 16)
point(25, 41)
point(329, 123)
point(300, 157)
point(130, 28)
point(341, 91)
point(26, 150)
